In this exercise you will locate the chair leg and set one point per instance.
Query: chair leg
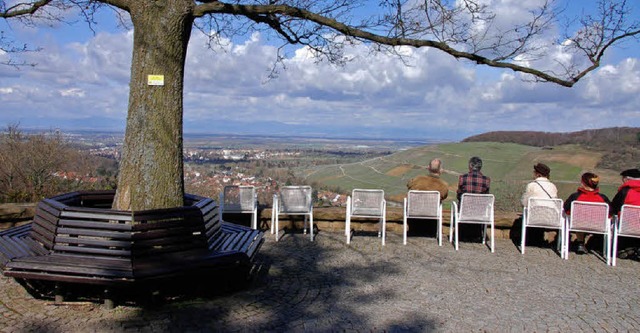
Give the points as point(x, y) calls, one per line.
point(304, 227)
point(451, 225)
point(404, 230)
point(440, 231)
point(614, 252)
point(347, 228)
point(567, 243)
point(384, 230)
point(254, 223)
point(277, 227)
point(484, 234)
point(311, 223)
point(608, 245)
point(493, 244)
point(523, 237)
point(559, 241)
point(273, 211)
point(456, 231)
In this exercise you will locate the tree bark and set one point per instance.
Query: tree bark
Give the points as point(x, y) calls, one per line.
point(151, 169)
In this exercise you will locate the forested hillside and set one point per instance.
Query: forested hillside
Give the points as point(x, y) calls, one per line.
point(620, 145)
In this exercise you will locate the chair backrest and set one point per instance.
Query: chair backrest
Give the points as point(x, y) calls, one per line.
point(367, 202)
point(589, 216)
point(295, 199)
point(629, 222)
point(423, 204)
point(544, 212)
point(239, 198)
point(476, 207)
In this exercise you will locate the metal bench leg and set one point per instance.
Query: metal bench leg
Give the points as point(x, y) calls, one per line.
point(108, 304)
point(59, 296)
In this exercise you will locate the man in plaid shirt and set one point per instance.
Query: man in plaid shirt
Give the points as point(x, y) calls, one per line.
point(474, 181)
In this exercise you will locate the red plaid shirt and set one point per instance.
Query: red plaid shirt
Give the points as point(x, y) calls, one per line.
point(473, 182)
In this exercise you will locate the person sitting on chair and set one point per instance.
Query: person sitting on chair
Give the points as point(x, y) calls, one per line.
point(473, 181)
point(589, 192)
point(629, 192)
point(541, 187)
point(432, 182)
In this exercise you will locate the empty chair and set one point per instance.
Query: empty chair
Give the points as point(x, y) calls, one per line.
point(543, 213)
point(474, 209)
point(366, 204)
point(628, 225)
point(423, 205)
point(589, 217)
point(240, 199)
point(292, 200)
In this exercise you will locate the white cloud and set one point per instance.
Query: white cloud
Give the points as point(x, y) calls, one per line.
point(228, 90)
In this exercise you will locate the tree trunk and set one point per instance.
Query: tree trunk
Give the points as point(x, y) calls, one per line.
point(151, 169)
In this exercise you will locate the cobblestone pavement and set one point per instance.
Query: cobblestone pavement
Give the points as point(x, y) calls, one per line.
point(330, 286)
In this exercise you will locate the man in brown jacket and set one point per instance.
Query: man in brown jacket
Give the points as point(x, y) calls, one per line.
point(432, 182)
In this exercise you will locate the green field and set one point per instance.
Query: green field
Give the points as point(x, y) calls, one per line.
point(509, 166)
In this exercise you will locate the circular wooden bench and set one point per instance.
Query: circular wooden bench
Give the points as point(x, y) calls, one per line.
point(76, 239)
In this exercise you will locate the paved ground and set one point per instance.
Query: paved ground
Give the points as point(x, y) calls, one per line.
point(329, 286)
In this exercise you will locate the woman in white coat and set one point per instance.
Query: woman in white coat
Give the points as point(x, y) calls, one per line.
point(541, 186)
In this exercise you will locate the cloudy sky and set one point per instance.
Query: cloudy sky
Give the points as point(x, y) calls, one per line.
point(81, 82)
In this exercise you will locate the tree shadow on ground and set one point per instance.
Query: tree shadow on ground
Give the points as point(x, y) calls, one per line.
point(296, 285)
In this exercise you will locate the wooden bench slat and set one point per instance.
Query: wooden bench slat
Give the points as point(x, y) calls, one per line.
point(91, 213)
point(18, 248)
point(51, 206)
point(92, 242)
point(95, 225)
point(91, 250)
point(92, 280)
point(115, 235)
point(150, 228)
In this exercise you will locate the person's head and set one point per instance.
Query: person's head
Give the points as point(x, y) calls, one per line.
point(435, 166)
point(590, 180)
point(630, 174)
point(541, 170)
point(475, 164)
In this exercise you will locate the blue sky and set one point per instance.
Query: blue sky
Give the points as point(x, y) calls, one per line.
point(81, 82)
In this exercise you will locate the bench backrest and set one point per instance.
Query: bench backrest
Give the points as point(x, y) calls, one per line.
point(90, 231)
point(45, 222)
point(96, 232)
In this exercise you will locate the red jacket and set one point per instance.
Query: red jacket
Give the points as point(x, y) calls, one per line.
point(628, 194)
point(585, 195)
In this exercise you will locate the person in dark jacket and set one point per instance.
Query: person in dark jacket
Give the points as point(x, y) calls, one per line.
point(589, 192)
point(628, 193)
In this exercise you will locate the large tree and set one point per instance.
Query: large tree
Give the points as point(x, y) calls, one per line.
point(151, 171)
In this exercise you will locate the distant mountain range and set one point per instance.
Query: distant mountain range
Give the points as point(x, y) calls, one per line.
point(592, 137)
point(621, 145)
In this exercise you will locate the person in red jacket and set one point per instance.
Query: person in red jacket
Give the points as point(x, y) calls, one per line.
point(629, 192)
point(589, 192)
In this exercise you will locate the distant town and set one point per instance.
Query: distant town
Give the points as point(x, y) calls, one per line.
point(215, 161)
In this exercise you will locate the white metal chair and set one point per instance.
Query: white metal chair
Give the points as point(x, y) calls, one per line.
point(474, 209)
point(292, 200)
point(422, 205)
point(366, 204)
point(628, 225)
point(240, 199)
point(589, 217)
point(543, 213)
